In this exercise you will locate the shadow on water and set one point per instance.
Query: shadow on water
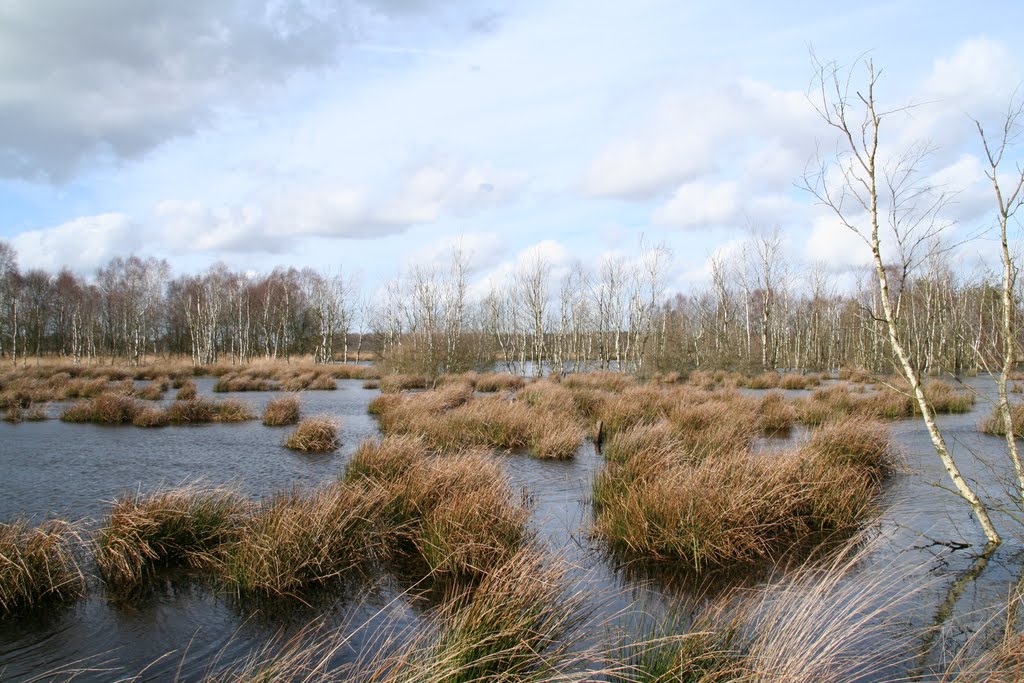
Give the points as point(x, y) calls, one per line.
point(64, 470)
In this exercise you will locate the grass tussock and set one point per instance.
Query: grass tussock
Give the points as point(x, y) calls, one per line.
point(394, 383)
point(309, 381)
point(795, 381)
point(281, 411)
point(202, 410)
point(154, 391)
point(777, 414)
point(175, 527)
point(692, 490)
point(615, 382)
point(521, 623)
point(233, 382)
point(768, 380)
point(450, 419)
point(187, 390)
point(38, 565)
point(14, 413)
point(105, 408)
point(314, 435)
point(299, 539)
point(457, 512)
point(993, 424)
point(499, 381)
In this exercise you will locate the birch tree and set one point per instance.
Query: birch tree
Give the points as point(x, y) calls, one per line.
point(1009, 197)
point(865, 191)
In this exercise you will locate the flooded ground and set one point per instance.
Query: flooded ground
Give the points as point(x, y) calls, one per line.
point(72, 471)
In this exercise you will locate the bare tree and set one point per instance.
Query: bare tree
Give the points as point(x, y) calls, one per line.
point(1008, 200)
point(867, 191)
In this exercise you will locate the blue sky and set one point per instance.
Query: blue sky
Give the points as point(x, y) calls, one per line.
point(371, 135)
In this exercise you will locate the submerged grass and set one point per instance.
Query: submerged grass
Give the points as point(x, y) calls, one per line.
point(38, 565)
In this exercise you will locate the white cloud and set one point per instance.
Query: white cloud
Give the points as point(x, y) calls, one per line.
point(83, 244)
point(700, 204)
point(698, 133)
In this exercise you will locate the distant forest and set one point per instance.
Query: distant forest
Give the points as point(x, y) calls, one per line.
point(758, 313)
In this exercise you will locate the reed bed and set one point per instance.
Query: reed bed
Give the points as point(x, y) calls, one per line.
point(281, 411)
point(172, 527)
point(795, 381)
point(38, 565)
point(314, 435)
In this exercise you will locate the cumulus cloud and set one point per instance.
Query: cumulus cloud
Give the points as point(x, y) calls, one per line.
point(698, 133)
point(113, 79)
point(83, 244)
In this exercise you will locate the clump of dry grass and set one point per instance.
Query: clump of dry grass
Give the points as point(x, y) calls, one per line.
point(353, 371)
point(393, 383)
point(691, 490)
point(202, 410)
point(281, 411)
point(458, 512)
point(450, 420)
point(154, 391)
point(14, 413)
point(187, 390)
point(858, 442)
point(37, 413)
point(84, 388)
point(309, 381)
point(38, 565)
point(615, 382)
point(149, 416)
point(993, 424)
point(105, 408)
point(795, 381)
point(777, 414)
point(768, 380)
point(499, 381)
point(233, 382)
point(173, 527)
point(299, 539)
point(314, 435)
point(520, 624)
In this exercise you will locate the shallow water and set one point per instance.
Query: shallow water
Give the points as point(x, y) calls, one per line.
point(71, 471)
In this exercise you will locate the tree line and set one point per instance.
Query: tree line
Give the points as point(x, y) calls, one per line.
point(758, 313)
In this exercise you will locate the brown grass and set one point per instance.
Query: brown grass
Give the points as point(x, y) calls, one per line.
point(297, 540)
point(281, 411)
point(314, 435)
point(458, 512)
point(794, 381)
point(174, 527)
point(993, 424)
point(106, 408)
point(243, 382)
point(202, 410)
point(187, 390)
point(393, 383)
point(38, 565)
point(499, 381)
point(309, 381)
point(777, 414)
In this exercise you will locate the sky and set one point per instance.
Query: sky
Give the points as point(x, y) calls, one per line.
point(371, 135)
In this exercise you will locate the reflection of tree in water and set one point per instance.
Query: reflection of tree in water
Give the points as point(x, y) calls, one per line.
point(946, 611)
